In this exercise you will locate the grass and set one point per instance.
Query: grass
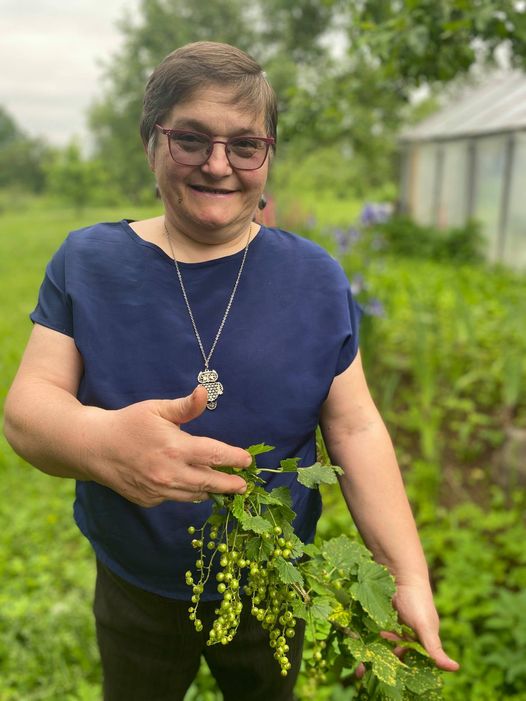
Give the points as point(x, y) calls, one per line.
point(47, 641)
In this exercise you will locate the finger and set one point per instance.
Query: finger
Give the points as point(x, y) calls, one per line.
point(434, 648)
point(208, 451)
point(203, 480)
point(360, 670)
point(184, 409)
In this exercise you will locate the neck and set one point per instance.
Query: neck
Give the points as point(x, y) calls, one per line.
point(190, 250)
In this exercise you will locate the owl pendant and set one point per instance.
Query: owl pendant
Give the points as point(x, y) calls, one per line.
point(209, 380)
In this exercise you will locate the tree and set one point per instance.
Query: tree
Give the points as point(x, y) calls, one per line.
point(76, 180)
point(22, 159)
point(358, 97)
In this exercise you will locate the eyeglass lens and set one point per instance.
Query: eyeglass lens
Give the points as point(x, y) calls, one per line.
point(190, 148)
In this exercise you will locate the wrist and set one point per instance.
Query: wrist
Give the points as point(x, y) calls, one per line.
point(92, 430)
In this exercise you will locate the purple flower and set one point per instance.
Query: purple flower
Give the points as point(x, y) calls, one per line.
point(374, 308)
point(342, 240)
point(376, 213)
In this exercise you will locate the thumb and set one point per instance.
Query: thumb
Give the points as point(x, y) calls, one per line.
point(434, 648)
point(184, 409)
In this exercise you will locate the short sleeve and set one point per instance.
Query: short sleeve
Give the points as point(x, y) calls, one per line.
point(54, 306)
point(352, 316)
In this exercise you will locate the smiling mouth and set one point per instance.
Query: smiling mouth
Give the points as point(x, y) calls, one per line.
point(212, 190)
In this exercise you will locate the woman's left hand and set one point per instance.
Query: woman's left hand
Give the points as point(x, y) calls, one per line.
point(416, 609)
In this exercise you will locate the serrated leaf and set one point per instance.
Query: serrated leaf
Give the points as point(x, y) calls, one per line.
point(256, 524)
point(287, 573)
point(284, 516)
point(344, 553)
point(374, 590)
point(321, 607)
point(258, 549)
point(385, 664)
point(280, 496)
point(289, 465)
point(300, 610)
point(238, 507)
point(356, 647)
point(218, 499)
point(317, 474)
point(298, 547)
point(421, 675)
point(391, 693)
point(311, 550)
point(259, 449)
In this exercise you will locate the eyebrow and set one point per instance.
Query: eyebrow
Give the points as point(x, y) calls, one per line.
point(196, 125)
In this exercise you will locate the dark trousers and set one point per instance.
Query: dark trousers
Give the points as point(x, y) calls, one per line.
point(150, 650)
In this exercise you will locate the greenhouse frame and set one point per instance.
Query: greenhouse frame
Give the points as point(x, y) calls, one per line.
point(468, 162)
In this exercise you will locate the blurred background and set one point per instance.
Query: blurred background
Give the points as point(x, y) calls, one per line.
point(402, 150)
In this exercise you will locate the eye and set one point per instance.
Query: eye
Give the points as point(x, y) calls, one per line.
point(189, 141)
point(247, 147)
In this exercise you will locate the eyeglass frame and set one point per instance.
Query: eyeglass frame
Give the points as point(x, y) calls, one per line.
point(269, 141)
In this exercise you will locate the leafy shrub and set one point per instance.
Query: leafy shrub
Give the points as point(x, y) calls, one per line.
point(404, 237)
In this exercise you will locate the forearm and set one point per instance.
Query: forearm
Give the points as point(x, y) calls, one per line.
point(49, 428)
point(374, 492)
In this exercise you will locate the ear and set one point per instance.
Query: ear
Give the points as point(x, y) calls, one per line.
point(149, 151)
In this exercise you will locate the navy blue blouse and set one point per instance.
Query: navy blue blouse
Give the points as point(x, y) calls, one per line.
point(292, 328)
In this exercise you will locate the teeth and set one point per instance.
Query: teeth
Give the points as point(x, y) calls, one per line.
point(201, 188)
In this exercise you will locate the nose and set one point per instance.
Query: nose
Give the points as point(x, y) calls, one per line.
point(217, 163)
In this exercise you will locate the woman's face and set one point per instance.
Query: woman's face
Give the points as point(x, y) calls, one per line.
point(212, 202)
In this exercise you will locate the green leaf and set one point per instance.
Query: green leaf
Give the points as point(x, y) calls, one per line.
point(344, 553)
point(218, 499)
point(311, 550)
point(238, 507)
point(374, 590)
point(421, 675)
point(300, 610)
point(318, 474)
point(386, 665)
point(289, 465)
point(379, 656)
point(321, 607)
point(258, 549)
point(256, 524)
point(280, 496)
point(287, 573)
point(259, 449)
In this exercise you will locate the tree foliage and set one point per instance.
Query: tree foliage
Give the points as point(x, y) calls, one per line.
point(344, 72)
point(22, 159)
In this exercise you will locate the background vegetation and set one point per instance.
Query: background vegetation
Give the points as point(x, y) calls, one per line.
point(443, 337)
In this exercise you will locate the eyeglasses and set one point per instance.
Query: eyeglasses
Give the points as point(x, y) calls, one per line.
point(191, 148)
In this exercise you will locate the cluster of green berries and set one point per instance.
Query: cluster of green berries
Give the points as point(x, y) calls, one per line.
point(317, 664)
point(271, 600)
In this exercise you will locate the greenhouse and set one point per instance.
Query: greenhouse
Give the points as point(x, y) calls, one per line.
point(468, 161)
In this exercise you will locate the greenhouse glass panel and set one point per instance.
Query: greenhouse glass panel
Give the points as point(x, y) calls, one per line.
point(453, 189)
point(515, 243)
point(489, 180)
point(421, 182)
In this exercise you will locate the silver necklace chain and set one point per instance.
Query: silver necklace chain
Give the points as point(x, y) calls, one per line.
point(208, 378)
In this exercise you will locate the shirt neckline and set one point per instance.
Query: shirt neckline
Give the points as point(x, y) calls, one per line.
point(134, 236)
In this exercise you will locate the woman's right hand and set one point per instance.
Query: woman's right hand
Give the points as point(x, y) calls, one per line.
point(142, 453)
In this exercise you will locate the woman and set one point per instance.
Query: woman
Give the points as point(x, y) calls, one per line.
point(131, 315)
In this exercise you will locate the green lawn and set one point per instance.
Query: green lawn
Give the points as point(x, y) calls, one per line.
point(47, 647)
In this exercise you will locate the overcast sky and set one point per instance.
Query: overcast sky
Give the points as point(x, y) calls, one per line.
point(50, 55)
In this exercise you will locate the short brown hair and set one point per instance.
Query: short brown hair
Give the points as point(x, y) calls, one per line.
point(198, 65)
